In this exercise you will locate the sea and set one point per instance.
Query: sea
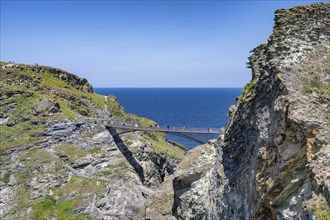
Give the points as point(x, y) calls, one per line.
point(177, 107)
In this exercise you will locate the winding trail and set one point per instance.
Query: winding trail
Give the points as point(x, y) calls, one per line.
point(105, 103)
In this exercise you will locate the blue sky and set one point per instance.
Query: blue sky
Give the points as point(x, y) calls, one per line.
point(140, 43)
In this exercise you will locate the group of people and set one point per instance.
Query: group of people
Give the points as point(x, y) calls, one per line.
point(168, 127)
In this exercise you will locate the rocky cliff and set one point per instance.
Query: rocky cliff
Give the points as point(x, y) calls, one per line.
point(59, 162)
point(274, 161)
point(276, 149)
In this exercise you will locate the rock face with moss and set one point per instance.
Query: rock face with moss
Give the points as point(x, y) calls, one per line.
point(59, 162)
point(276, 150)
point(274, 162)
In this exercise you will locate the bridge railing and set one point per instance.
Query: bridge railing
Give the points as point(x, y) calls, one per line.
point(168, 129)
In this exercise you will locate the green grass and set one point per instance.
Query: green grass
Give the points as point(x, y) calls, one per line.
point(65, 109)
point(6, 178)
point(19, 135)
point(248, 93)
point(95, 150)
point(34, 160)
point(118, 165)
point(144, 122)
point(82, 189)
point(119, 169)
point(248, 88)
point(24, 108)
point(320, 210)
point(97, 99)
point(68, 107)
point(158, 143)
point(88, 134)
point(73, 152)
point(128, 142)
point(50, 208)
point(314, 70)
point(22, 198)
point(3, 63)
point(114, 108)
point(81, 186)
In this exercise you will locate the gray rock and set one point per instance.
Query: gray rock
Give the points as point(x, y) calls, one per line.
point(46, 106)
point(200, 176)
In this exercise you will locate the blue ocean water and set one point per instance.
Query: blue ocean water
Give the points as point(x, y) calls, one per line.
point(191, 107)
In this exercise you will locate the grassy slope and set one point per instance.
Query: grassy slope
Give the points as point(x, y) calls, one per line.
point(54, 89)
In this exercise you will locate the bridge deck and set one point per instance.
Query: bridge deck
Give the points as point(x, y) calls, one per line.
point(169, 130)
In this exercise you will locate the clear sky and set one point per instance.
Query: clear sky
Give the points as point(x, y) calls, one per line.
point(140, 43)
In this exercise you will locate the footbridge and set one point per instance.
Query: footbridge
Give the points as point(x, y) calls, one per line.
point(199, 135)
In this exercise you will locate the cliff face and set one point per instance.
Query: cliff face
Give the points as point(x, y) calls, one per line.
point(58, 162)
point(276, 149)
point(274, 162)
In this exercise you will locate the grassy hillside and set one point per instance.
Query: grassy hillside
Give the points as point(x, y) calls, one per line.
point(31, 97)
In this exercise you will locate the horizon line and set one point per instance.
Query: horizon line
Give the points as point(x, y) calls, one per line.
point(167, 87)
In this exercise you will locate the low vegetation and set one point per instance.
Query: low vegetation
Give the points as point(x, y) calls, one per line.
point(79, 189)
point(160, 146)
point(320, 209)
point(248, 93)
point(73, 152)
point(51, 208)
point(114, 108)
point(20, 135)
point(163, 203)
point(36, 160)
point(88, 134)
point(314, 74)
point(81, 186)
point(6, 177)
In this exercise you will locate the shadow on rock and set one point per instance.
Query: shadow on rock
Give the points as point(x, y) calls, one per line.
point(127, 154)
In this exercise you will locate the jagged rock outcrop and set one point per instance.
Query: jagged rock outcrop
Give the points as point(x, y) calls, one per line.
point(198, 184)
point(72, 80)
point(194, 191)
point(274, 162)
point(279, 129)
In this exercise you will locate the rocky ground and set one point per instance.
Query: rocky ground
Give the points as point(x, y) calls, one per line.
point(57, 162)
